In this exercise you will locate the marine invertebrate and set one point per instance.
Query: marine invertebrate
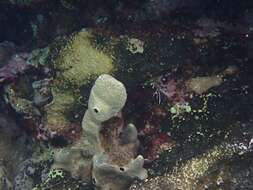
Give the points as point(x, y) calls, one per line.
point(114, 153)
point(120, 144)
point(107, 98)
point(110, 176)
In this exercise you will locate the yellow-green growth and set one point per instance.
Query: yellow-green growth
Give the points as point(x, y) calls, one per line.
point(78, 60)
point(53, 173)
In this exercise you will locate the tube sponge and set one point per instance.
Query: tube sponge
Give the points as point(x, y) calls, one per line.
point(108, 96)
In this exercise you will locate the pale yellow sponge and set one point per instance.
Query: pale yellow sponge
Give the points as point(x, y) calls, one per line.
point(107, 98)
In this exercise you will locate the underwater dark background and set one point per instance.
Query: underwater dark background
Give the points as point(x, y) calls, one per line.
point(16, 17)
point(187, 66)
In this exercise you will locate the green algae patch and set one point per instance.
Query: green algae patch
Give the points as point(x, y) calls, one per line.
point(78, 61)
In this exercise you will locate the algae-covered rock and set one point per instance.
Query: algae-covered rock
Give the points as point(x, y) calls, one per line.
point(81, 57)
point(76, 63)
point(60, 180)
point(12, 152)
point(212, 146)
point(56, 119)
point(42, 93)
point(191, 174)
point(77, 160)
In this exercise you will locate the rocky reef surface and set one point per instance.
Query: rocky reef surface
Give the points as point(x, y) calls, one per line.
point(122, 95)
